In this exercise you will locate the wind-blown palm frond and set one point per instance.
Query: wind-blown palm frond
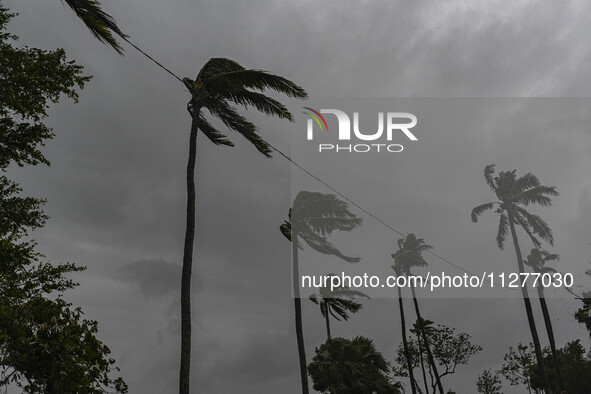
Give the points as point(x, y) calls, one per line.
point(212, 133)
point(322, 245)
point(100, 24)
point(480, 209)
point(503, 230)
point(537, 260)
point(538, 225)
point(323, 213)
point(253, 79)
point(221, 83)
point(489, 170)
point(405, 260)
point(537, 195)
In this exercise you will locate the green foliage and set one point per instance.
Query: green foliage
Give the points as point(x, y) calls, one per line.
point(343, 366)
point(100, 24)
point(45, 345)
point(488, 383)
point(575, 368)
point(30, 79)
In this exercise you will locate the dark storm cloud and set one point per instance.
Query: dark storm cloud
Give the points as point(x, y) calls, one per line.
point(116, 186)
point(155, 278)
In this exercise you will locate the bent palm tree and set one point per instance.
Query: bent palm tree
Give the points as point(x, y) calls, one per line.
point(337, 302)
point(416, 329)
point(513, 195)
point(537, 260)
point(313, 217)
point(100, 24)
point(219, 84)
point(409, 256)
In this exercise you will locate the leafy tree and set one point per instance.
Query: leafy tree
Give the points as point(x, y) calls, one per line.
point(45, 345)
point(407, 257)
point(449, 350)
point(537, 260)
point(337, 303)
point(313, 217)
point(343, 366)
point(519, 365)
point(514, 194)
point(219, 85)
point(575, 368)
point(488, 383)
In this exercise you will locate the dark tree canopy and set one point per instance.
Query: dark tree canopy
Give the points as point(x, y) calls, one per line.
point(343, 366)
point(45, 344)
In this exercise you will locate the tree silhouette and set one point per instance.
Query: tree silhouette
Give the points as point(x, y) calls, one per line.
point(100, 24)
point(407, 257)
point(513, 195)
point(343, 366)
point(337, 303)
point(312, 218)
point(537, 260)
point(219, 84)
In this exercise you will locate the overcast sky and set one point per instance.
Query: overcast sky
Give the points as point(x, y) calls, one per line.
point(116, 192)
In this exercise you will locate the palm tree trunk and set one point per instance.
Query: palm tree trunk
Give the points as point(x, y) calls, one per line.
point(550, 332)
point(528, 309)
point(426, 341)
point(405, 343)
point(327, 318)
point(422, 362)
point(185, 369)
point(298, 311)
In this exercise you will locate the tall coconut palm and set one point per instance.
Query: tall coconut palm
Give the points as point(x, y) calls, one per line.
point(399, 269)
point(537, 260)
point(219, 85)
point(312, 218)
point(416, 329)
point(407, 257)
point(337, 302)
point(513, 195)
point(100, 24)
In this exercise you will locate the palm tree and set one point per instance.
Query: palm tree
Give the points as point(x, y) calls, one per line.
point(513, 195)
point(337, 302)
point(407, 257)
point(219, 84)
point(537, 260)
point(399, 269)
point(100, 24)
point(416, 329)
point(313, 217)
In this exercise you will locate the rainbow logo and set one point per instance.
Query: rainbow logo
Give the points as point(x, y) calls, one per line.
point(313, 115)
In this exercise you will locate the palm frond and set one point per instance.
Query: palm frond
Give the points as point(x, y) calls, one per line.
point(527, 181)
point(524, 223)
point(261, 102)
point(405, 260)
point(253, 79)
point(503, 230)
point(212, 133)
point(285, 229)
point(538, 225)
point(216, 66)
point(100, 24)
point(321, 244)
point(537, 195)
point(489, 170)
point(480, 209)
point(323, 213)
point(234, 121)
